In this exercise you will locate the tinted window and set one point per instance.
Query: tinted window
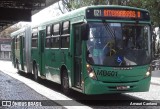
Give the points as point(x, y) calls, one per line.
point(56, 29)
point(48, 36)
point(65, 34)
point(55, 38)
point(65, 27)
point(35, 37)
point(55, 42)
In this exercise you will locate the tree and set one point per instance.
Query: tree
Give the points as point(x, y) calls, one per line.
point(152, 5)
point(6, 33)
point(74, 4)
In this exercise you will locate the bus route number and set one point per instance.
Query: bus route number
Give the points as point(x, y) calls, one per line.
point(97, 13)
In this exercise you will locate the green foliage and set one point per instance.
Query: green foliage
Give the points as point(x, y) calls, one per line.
point(152, 5)
point(77, 4)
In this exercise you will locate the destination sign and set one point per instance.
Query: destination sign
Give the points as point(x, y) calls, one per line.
point(127, 14)
point(122, 13)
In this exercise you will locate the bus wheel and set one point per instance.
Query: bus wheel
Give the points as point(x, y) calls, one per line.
point(35, 72)
point(65, 82)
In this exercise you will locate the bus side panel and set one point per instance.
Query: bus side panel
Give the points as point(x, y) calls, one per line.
point(52, 64)
point(35, 55)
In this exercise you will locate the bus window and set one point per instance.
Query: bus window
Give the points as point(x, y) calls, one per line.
point(35, 38)
point(48, 28)
point(65, 27)
point(18, 43)
point(48, 36)
point(65, 35)
point(55, 38)
point(23, 41)
point(55, 42)
point(56, 29)
point(111, 41)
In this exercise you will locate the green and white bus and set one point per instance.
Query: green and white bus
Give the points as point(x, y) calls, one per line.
point(93, 50)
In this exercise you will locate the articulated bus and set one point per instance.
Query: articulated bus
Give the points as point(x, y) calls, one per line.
point(93, 50)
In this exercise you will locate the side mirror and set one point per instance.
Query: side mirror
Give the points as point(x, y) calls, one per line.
point(84, 31)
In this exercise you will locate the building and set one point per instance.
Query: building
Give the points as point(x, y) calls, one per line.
point(5, 49)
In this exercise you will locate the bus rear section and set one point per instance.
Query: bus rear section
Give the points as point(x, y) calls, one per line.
point(21, 50)
point(118, 51)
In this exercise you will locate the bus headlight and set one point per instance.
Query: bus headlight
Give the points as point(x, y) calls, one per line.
point(90, 72)
point(148, 73)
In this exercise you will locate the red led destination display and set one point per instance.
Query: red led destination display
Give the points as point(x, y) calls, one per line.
point(126, 14)
point(121, 13)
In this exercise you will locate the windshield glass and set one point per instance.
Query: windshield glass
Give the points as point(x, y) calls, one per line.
point(118, 44)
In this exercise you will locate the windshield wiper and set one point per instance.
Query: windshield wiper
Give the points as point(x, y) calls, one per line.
point(108, 28)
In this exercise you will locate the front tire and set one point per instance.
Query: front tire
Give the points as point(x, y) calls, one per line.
point(65, 82)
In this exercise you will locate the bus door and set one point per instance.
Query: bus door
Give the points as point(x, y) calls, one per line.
point(77, 56)
point(41, 52)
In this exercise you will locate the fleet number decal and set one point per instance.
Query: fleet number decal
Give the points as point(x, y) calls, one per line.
point(106, 73)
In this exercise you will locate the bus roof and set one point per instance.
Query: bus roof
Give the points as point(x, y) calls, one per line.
point(74, 14)
point(81, 12)
point(17, 32)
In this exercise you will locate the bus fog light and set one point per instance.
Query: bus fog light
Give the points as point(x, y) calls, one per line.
point(90, 72)
point(148, 73)
point(92, 75)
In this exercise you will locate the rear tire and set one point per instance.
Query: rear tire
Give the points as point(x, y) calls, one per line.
point(35, 73)
point(65, 82)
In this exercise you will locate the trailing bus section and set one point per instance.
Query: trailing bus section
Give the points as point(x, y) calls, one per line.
point(93, 50)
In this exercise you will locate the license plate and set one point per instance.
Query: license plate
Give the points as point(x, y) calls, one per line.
point(122, 87)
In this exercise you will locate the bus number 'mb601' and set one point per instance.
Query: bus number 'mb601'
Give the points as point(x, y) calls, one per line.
point(106, 73)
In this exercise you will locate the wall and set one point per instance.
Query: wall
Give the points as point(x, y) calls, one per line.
point(5, 49)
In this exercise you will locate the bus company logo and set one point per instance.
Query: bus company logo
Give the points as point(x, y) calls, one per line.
point(6, 103)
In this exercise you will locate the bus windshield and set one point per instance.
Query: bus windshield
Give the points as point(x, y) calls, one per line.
point(119, 44)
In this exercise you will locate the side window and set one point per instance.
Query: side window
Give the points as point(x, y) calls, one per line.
point(56, 29)
point(66, 29)
point(18, 42)
point(35, 37)
point(23, 38)
point(48, 36)
point(15, 42)
point(55, 38)
point(65, 37)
